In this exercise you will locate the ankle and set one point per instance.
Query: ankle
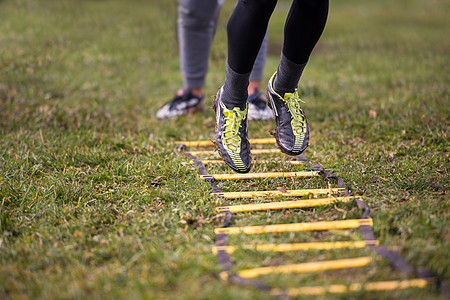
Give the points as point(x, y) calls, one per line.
point(234, 92)
point(197, 92)
point(253, 86)
point(287, 76)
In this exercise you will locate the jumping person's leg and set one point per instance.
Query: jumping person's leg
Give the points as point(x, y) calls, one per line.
point(303, 28)
point(304, 25)
point(246, 29)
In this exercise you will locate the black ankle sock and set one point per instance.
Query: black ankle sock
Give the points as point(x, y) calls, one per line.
point(288, 76)
point(234, 93)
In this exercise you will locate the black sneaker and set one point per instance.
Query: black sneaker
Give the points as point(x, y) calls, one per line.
point(231, 136)
point(292, 133)
point(183, 103)
point(257, 107)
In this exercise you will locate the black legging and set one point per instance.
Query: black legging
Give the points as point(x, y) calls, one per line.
point(248, 24)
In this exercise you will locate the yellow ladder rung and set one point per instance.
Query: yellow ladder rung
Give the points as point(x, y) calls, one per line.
point(282, 205)
point(307, 267)
point(298, 246)
point(254, 151)
point(216, 162)
point(310, 226)
point(210, 143)
point(209, 162)
point(288, 193)
point(195, 143)
point(260, 175)
point(205, 152)
point(355, 287)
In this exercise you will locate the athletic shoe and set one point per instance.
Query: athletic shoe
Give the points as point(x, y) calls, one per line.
point(292, 133)
point(231, 135)
point(183, 103)
point(257, 107)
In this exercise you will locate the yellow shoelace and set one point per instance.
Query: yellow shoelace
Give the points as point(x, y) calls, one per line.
point(294, 107)
point(233, 121)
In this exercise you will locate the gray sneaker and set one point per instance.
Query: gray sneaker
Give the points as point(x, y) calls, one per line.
point(292, 133)
point(257, 107)
point(231, 136)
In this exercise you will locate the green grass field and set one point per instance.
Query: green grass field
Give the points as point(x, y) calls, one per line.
point(96, 201)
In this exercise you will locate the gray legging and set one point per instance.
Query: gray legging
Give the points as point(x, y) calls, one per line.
point(197, 21)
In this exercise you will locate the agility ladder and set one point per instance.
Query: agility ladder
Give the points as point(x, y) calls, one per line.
point(337, 194)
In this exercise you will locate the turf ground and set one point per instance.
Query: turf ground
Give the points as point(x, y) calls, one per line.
point(95, 200)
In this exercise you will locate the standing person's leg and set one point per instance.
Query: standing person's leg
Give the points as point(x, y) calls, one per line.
point(304, 26)
point(246, 29)
point(257, 73)
point(257, 105)
point(196, 23)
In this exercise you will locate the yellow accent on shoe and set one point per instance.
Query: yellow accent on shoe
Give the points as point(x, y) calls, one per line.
point(230, 138)
point(298, 121)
